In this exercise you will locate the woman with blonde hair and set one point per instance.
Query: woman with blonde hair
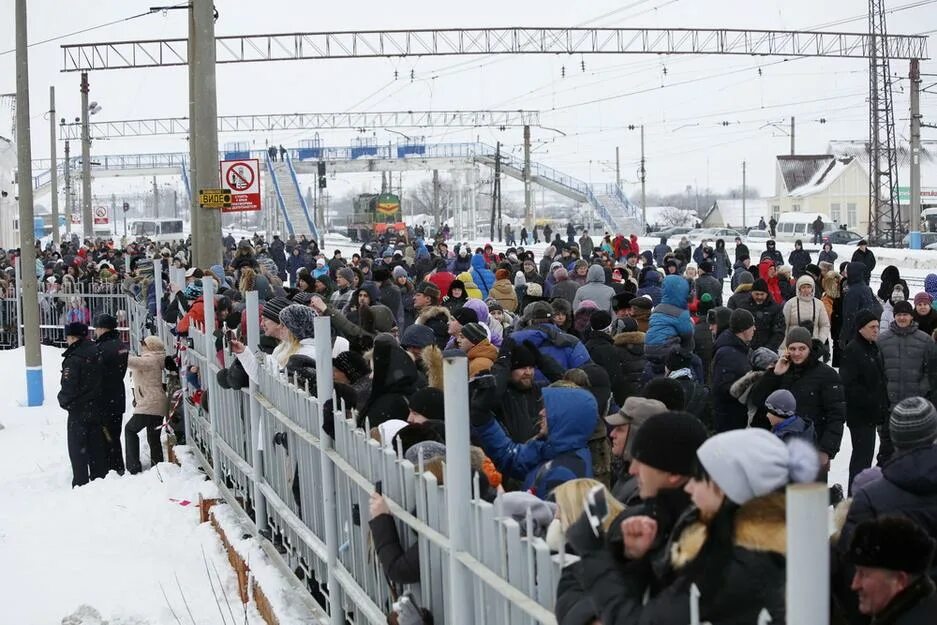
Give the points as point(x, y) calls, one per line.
point(149, 402)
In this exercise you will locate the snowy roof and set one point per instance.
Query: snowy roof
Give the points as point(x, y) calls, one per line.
point(730, 210)
point(860, 150)
point(823, 177)
point(798, 170)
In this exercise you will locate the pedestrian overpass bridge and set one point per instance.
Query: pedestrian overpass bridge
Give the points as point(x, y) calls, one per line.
point(607, 199)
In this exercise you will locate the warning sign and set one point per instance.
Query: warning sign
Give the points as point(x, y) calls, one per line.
point(100, 215)
point(214, 198)
point(243, 178)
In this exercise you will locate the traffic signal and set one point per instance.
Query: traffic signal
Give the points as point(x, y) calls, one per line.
point(321, 171)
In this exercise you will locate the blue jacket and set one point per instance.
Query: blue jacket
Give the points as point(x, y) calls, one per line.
point(795, 427)
point(565, 349)
point(670, 320)
point(481, 275)
point(562, 456)
point(651, 287)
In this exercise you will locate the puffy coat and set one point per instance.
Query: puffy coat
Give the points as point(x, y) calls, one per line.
point(707, 283)
point(565, 289)
point(481, 357)
point(564, 348)
point(603, 353)
point(483, 278)
point(401, 565)
point(867, 258)
point(722, 266)
point(862, 370)
point(857, 296)
point(730, 363)
point(114, 354)
point(595, 289)
point(800, 309)
point(544, 464)
point(818, 390)
point(769, 323)
point(661, 250)
point(650, 286)
point(798, 260)
point(703, 341)
point(149, 397)
point(503, 292)
point(670, 322)
point(395, 376)
point(471, 289)
point(630, 346)
point(774, 287)
point(81, 380)
point(910, 362)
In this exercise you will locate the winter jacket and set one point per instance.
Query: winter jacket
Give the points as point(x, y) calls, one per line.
point(910, 362)
point(482, 276)
point(650, 286)
point(698, 398)
point(401, 565)
point(114, 352)
point(927, 323)
point(737, 274)
point(395, 376)
point(471, 289)
point(564, 348)
point(565, 289)
point(798, 260)
point(730, 362)
point(769, 323)
point(603, 352)
point(862, 370)
point(818, 390)
point(390, 297)
point(503, 292)
point(661, 250)
point(630, 346)
point(149, 396)
point(867, 258)
point(595, 289)
point(707, 283)
point(771, 253)
point(858, 296)
point(740, 295)
point(722, 266)
point(481, 357)
point(774, 288)
point(795, 427)
point(544, 464)
point(703, 341)
point(81, 380)
point(827, 257)
point(800, 309)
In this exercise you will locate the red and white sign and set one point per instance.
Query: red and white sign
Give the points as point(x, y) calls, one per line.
point(242, 177)
point(76, 219)
point(100, 215)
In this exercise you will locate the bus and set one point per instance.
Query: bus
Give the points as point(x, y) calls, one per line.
point(163, 230)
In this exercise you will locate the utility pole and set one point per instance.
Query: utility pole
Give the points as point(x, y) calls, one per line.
point(29, 298)
point(915, 216)
point(643, 187)
point(528, 200)
point(155, 199)
point(436, 199)
point(87, 222)
point(744, 193)
point(207, 247)
point(617, 168)
point(53, 171)
point(792, 136)
point(496, 196)
point(68, 191)
point(194, 208)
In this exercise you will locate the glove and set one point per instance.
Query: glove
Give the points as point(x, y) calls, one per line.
point(483, 397)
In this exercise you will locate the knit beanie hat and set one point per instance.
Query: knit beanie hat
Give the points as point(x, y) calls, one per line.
point(893, 543)
point(679, 359)
point(668, 442)
point(797, 334)
point(429, 403)
point(299, 320)
point(352, 364)
point(745, 277)
point(346, 273)
point(913, 423)
point(923, 297)
point(741, 321)
point(522, 357)
point(782, 403)
point(600, 320)
point(465, 316)
point(763, 358)
point(474, 332)
point(754, 462)
point(534, 289)
point(272, 308)
point(903, 307)
point(400, 272)
point(427, 450)
point(760, 285)
point(302, 297)
point(418, 336)
point(864, 317)
point(706, 266)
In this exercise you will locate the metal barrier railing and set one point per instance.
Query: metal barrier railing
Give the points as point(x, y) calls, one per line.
point(306, 495)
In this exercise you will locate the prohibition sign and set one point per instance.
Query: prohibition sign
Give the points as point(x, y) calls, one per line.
point(240, 177)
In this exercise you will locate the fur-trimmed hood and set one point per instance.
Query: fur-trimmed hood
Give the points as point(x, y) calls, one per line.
point(432, 364)
point(743, 288)
point(629, 338)
point(760, 525)
point(432, 311)
point(741, 387)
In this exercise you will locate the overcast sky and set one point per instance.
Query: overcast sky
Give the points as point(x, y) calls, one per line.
point(685, 141)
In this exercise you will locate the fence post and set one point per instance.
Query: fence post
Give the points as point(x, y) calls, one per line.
point(19, 302)
point(458, 486)
point(208, 297)
point(158, 287)
point(324, 393)
point(808, 554)
point(257, 460)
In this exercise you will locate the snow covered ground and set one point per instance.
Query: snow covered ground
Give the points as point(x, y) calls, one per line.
point(129, 547)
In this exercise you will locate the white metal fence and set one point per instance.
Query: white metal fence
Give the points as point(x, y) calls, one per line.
point(307, 494)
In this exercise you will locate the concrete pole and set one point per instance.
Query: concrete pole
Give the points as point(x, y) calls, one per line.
point(617, 169)
point(87, 221)
point(808, 555)
point(193, 190)
point(53, 171)
point(155, 199)
point(528, 199)
point(207, 247)
point(28, 289)
point(436, 199)
point(458, 482)
point(68, 190)
point(744, 193)
point(792, 136)
point(643, 188)
point(915, 76)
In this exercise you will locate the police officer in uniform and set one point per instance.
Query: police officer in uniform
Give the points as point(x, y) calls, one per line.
point(113, 397)
point(79, 395)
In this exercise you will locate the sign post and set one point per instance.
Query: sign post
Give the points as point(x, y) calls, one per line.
point(242, 177)
point(100, 215)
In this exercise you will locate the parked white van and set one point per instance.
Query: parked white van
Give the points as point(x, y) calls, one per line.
point(793, 226)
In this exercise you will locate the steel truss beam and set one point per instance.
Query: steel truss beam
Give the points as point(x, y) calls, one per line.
point(309, 121)
point(467, 41)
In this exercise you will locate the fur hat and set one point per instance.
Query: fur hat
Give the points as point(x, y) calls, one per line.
point(105, 322)
point(76, 329)
point(893, 543)
point(299, 320)
point(642, 302)
point(429, 403)
point(538, 312)
point(522, 357)
point(762, 358)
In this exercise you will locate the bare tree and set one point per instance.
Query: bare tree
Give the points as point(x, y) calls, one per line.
point(422, 199)
point(673, 216)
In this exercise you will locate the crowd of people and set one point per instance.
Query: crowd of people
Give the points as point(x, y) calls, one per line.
point(647, 407)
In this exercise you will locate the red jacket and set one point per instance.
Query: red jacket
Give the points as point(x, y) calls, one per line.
point(442, 279)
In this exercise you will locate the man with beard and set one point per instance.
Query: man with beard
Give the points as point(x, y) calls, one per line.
point(769, 320)
point(513, 372)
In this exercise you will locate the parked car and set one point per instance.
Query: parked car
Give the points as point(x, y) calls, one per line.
point(758, 236)
point(674, 231)
point(794, 226)
point(927, 239)
point(842, 237)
